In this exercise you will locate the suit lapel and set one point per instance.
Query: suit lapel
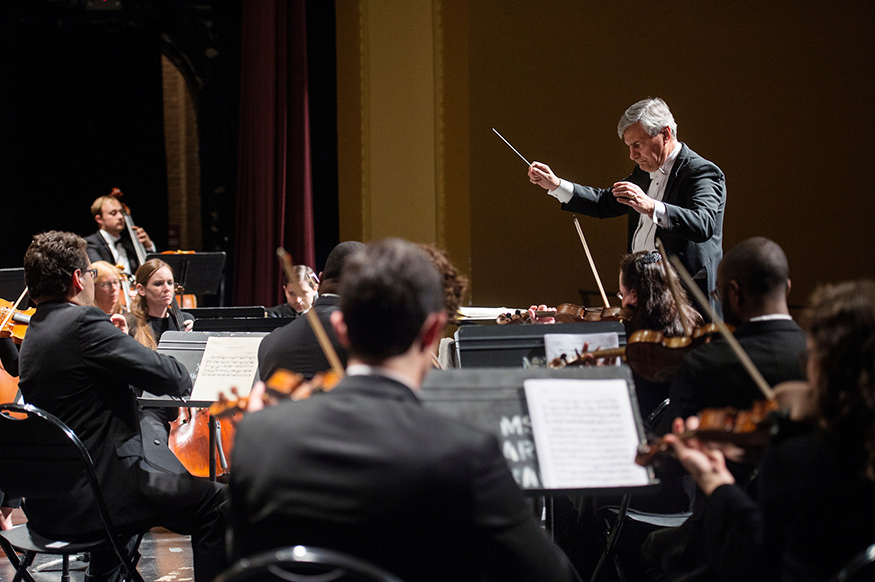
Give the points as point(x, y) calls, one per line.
point(679, 163)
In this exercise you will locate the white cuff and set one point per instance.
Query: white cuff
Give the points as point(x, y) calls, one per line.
point(564, 193)
point(659, 214)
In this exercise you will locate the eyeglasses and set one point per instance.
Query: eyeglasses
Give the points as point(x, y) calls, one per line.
point(110, 284)
point(92, 272)
point(620, 295)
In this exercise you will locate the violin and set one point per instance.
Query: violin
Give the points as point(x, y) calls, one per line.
point(650, 354)
point(14, 321)
point(748, 429)
point(282, 384)
point(568, 313)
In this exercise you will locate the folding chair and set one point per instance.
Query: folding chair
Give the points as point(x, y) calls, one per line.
point(305, 564)
point(41, 459)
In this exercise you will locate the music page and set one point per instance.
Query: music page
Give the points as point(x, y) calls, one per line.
point(227, 362)
point(585, 433)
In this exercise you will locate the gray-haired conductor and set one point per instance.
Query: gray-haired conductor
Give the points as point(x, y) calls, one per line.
point(673, 194)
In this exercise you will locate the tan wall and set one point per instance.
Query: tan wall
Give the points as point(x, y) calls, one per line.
point(778, 94)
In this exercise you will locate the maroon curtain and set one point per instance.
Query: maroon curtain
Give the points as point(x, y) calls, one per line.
point(274, 192)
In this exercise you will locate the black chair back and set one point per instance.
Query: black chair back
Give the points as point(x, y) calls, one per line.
point(305, 564)
point(42, 459)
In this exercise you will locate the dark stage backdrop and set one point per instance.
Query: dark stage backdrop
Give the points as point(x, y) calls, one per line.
point(80, 113)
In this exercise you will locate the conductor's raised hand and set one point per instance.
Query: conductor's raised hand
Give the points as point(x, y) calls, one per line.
point(633, 196)
point(543, 176)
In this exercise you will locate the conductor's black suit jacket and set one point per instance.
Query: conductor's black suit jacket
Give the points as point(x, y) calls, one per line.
point(695, 198)
point(76, 365)
point(367, 469)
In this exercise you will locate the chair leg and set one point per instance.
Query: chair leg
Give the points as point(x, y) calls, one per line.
point(613, 536)
point(22, 573)
point(65, 568)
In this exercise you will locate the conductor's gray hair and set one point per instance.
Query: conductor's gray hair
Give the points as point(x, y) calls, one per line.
point(653, 115)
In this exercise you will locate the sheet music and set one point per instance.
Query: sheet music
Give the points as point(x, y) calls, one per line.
point(227, 362)
point(585, 433)
point(570, 344)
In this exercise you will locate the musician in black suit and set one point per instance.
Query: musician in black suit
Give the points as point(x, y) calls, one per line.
point(814, 504)
point(367, 469)
point(111, 242)
point(295, 305)
point(752, 282)
point(77, 365)
point(294, 346)
point(673, 194)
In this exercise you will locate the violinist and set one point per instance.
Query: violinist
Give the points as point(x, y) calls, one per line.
point(108, 288)
point(647, 295)
point(294, 346)
point(366, 469)
point(9, 360)
point(753, 282)
point(294, 305)
point(111, 242)
point(813, 506)
point(77, 366)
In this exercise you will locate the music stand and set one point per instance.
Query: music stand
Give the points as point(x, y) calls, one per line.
point(198, 273)
point(494, 400)
point(12, 284)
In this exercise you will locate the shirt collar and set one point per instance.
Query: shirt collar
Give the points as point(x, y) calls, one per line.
point(365, 370)
point(112, 240)
point(771, 317)
point(665, 168)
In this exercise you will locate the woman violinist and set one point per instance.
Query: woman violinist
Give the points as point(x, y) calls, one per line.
point(647, 296)
point(645, 291)
point(815, 494)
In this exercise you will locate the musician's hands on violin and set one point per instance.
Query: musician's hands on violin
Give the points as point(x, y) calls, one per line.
point(633, 196)
point(533, 314)
point(705, 463)
point(119, 321)
point(543, 176)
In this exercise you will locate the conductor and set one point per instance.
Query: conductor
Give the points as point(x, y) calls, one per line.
point(673, 194)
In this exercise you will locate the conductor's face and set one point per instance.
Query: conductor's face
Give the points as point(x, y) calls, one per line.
point(649, 152)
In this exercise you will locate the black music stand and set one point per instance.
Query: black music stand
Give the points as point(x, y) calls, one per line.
point(12, 284)
point(493, 399)
point(508, 346)
point(198, 273)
